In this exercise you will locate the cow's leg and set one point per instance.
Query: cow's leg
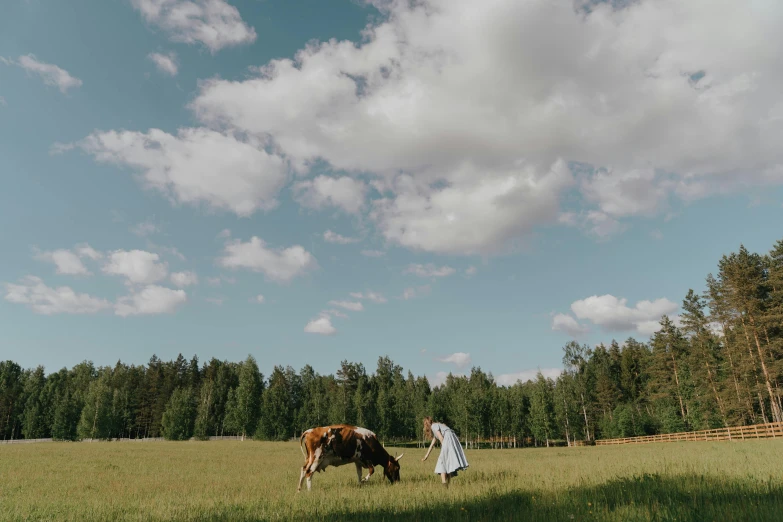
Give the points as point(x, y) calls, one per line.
point(301, 477)
point(359, 471)
point(369, 472)
point(315, 462)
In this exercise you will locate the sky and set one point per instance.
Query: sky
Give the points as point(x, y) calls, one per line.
point(447, 182)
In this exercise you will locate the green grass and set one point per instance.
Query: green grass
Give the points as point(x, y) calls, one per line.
point(243, 481)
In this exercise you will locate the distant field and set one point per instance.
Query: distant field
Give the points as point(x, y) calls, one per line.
point(241, 481)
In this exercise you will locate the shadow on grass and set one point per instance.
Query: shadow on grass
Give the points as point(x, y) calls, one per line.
point(644, 498)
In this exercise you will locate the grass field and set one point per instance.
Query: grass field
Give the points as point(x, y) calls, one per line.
point(242, 481)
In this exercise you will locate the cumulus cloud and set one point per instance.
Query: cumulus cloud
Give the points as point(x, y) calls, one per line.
point(373, 253)
point(353, 306)
point(85, 250)
point(459, 359)
point(320, 325)
point(613, 314)
point(150, 300)
point(470, 166)
point(258, 299)
point(137, 266)
point(278, 264)
point(50, 74)
point(344, 192)
point(166, 63)
point(215, 24)
point(471, 270)
point(566, 323)
point(510, 379)
point(66, 261)
point(46, 300)
point(429, 270)
point(69, 262)
point(334, 237)
point(198, 166)
point(185, 278)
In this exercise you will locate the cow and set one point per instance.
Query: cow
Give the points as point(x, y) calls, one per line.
point(341, 444)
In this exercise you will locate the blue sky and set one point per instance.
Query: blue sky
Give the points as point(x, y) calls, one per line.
point(493, 182)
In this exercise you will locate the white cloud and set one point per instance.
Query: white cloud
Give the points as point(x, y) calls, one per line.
point(166, 63)
point(334, 237)
point(258, 299)
point(613, 314)
point(3, 103)
point(373, 253)
point(413, 292)
point(45, 300)
point(321, 325)
point(345, 193)
point(224, 234)
point(656, 234)
point(185, 278)
point(66, 261)
point(85, 250)
point(217, 301)
point(510, 379)
point(138, 266)
point(216, 24)
point(277, 264)
point(353, 306)
point(197, 166)
point(459, 359)
point(471, 270)
point(49, 73)
point(335, 313)
point(370, 295)
point(172, 251)
point(213, 281)
point(429, 270)
point(678, 112)
point(150, 300)
point(566, 323)
point(145, 228)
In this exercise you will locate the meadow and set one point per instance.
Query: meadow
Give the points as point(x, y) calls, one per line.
point(250, 480)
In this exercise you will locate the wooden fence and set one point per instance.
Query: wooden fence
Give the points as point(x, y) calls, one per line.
point(771, 430)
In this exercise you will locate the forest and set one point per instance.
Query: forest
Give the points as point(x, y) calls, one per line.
point(717, 364)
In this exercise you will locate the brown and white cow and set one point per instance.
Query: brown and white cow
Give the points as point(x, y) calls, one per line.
point(341, 444)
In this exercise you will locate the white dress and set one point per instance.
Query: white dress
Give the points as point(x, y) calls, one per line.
point(452, 458)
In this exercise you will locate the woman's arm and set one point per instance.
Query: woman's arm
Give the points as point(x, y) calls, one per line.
point(429, 450)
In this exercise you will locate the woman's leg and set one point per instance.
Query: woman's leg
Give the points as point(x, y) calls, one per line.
point(444, 478)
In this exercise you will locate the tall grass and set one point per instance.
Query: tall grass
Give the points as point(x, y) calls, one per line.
point(243, 481)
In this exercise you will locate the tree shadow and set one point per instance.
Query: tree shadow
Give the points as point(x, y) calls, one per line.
point(684, 498)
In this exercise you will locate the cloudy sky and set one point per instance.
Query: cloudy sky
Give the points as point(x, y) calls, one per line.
point(451, 183)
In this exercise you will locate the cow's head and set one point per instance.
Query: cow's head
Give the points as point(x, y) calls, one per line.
point(392, 469)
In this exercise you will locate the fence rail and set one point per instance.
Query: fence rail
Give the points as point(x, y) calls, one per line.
point(770, 430)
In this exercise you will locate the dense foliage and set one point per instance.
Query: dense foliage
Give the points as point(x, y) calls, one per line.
point(719, 364)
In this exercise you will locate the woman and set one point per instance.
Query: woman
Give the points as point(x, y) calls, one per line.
point(451, 459)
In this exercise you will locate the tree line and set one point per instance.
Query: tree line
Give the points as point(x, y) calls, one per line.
point(718, 364)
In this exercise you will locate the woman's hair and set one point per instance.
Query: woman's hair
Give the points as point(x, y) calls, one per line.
point(428, 427)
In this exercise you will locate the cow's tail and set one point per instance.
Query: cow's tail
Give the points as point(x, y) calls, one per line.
point(300, 444)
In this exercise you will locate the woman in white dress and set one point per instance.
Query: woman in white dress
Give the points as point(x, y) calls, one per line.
point(452, 458)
